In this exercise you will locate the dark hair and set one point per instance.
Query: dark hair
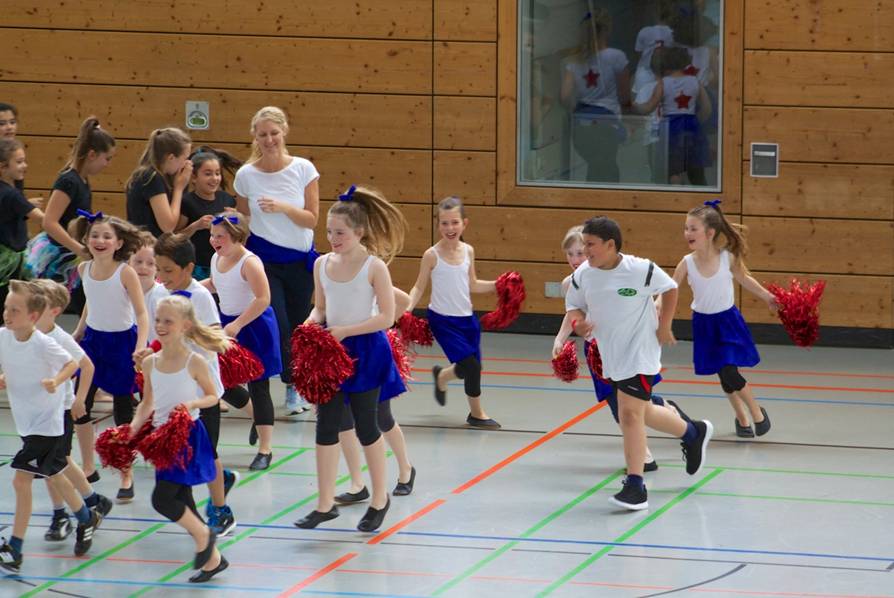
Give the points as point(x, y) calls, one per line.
point(7, 148)
point(9, 107)
point(79, 228)
point(604, 228)
point(177, 248)
point(90, 137)
point(384, 226)
point(238, 230)
point(147, 239)
point(162, 142)
point(712, 217)
point(671, 59)
point(229, 164)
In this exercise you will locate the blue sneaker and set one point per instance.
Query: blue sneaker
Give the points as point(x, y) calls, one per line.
point(295, 403)
point(230, 479)
point(224, 522)
point(212, 515)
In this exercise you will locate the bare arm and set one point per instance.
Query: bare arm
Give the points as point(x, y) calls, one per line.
point(429, 260)
point(67, 371)
point(623, 85)
point(565, 330)
point(132, 285)
point(476, 285)
point(59, 201)
point(750, 284)
point(318, 313)
point(78, 408)
point(704, 104)
point(666, 316)
point(253, 272)
point(651, 104)
point(147, 403)
point(198, 369)
point(680, 272)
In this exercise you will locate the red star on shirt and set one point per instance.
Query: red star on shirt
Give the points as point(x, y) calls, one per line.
point(691, 70)
point(682, 101)
point(592, 78)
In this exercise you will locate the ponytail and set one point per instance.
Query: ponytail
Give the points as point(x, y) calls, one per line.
point(90, 137)
point(210, 338)
point(384, 226)
point(713, 218)
point(161, 143)
point(229, 163)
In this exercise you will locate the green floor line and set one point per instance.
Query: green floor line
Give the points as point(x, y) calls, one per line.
point(527, 533)
point(143, 534)
point(841, 474)
point(629, 533)
point(302, 474)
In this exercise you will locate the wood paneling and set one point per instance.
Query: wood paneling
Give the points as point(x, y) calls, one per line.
point(854, 25)
point(820, 246)
point(843, 79)
point(821, 190)
point(465, 123)
point(394, 19)
point(465, 68)
point(473, 20)
point(824, 134)
point(469, 175)
point(419, 225)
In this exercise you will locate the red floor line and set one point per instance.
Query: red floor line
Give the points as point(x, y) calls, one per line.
point(407, 521)
point(321, 573)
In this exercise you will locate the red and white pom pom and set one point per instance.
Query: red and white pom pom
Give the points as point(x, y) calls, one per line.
point(115, 449)
point(320, 364)
point(239, 365)
point(510, 297)
point(168, 446)
point(415, 330)
point(594, 360)
point(566, 364)
point(402, 358)
point(799, 310)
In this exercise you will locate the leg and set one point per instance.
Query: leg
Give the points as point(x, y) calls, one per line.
point(394, 436)
point(85, 434)
point(350, 448)
point(328, 423)
point(122, 408)
point(262, 405)
point(733, 385)
point(21, 483)
point(210, 417)
point(364, 408)
point(469, 370)
point(175, 502)
point(632, 413)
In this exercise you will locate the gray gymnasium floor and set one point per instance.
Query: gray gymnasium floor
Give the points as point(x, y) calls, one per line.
point(807, 510)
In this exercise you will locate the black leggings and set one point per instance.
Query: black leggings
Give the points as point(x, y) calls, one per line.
point(291, 291)
point(363, 406)
point(469, 371)
point(210, 417)
point(383, 416)
point(259, 394)
point(122, 408)
point(730, 379)
point(172, 500)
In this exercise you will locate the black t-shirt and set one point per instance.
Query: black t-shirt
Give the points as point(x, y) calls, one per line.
point(78, 192)
point(139, 210)
point(14, 209)
point(194, 207)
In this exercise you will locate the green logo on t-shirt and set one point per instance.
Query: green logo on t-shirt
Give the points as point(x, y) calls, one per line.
point(627, 292)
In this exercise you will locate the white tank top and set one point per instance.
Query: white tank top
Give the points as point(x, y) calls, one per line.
point(170, 390)
point(348, 302)
point(108, 305)
point(234, 291)
point(450, 294)
point(711, 295)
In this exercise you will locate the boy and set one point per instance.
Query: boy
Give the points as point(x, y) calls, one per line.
point(34, 370)
point(611, 298)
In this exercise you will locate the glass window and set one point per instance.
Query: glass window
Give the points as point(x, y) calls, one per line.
point(620, 93)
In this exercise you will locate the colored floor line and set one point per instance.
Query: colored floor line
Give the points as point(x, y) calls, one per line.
point(630, 533)
point(317, 575)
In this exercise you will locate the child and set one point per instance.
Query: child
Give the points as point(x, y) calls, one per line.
point(54, 253)
point(14, 210)
point(175, 257)
point(611, 298)
point(35, 368)
point(365, 232)
point(9, 121)
point(57, 297)
point(450, 265)
point(173, 377)
point(208, 197)
point(721, 341)
point(113, 325)
point(143, 263)
point(155, 188)
point(238, 278)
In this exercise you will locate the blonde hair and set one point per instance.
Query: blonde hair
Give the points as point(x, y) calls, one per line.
point(55, 293)
point(35, 301)
point(161, 144)
point(384, 226)
point(210, 338)
point(146, 239)
point(574, 235)
point(271, 114)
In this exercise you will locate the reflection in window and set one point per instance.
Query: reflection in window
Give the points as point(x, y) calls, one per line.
point(620, 93)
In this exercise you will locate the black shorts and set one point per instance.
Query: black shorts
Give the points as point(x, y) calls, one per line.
point(639, 386)
point(43, 456)
point(67, 432)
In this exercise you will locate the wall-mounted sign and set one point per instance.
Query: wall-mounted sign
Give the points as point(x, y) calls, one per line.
point(765, 160)
point(198, 116)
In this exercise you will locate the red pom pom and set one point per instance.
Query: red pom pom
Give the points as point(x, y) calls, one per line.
point(566, 365)
point(155, 346)
point(402, 358)
point(320, 364)
point(238, 365)
point(168, 446)
point(415, 330)
point(138, 381)
point(594, 360)
point(510, 296)
point(115, 447)
point(799, 310)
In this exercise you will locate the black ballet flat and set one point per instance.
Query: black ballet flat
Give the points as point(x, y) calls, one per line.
point(349, 498)
point(373, 518)
point(203, 576)
point(315, 518)
point(440, 395)
point(405, 488)
point(204, 556)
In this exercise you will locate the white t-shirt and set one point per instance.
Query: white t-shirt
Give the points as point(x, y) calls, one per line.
point(596, 80)
point(618, 302)
point(649, 38)
point(285, 185)
point(25, 364)
point(151, 298)
point(67, 342)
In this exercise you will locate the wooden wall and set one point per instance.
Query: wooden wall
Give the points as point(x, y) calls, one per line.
point(418, 97)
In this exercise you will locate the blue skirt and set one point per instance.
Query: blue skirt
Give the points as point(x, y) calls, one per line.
point(721, 339)
point(261, 337)
point(687, 145)
point(112, 357)
point(200, 468)
point(459, 336)
point(373, 366)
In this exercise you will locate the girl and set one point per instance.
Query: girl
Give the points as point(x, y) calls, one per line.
point(114, 325)
point(365, 232)
point(14, 210)
point(450, 265)
point(9, 120)
point(54, 253)
point(238, 278)
point(155, 188)
point(172, 377)
point(208, 197)
point(721, 341)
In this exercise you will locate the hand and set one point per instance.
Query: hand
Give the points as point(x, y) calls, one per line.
point(204, 222)
point(772, 304)
point(2, 381)
point(37, 202)
point(338, 332)
point(181, 179)
point(583, 329)
point(78, 335)
point(141, 354)
point(270, 205)
point(78, 409)
point(666, 336)
point(557, 347)
point(49, 385)
point(232, 329)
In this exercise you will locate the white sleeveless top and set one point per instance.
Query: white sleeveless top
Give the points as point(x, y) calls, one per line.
point(450, 293)
point(108, 305)
point(348, 302)
point(170, 390)
point(711, 295)
point(234, 291)
point(680, 95)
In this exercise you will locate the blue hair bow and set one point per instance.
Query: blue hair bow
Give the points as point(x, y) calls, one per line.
point(91, 218)
point(231, 219)
point(182, 293)
point(714, 203)
point(349, 195)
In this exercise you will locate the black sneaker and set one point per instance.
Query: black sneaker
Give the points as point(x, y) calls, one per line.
point(230, 479)
point(84, 534)
point(694, 452)
point(104, 505)
point(93, 477)
point(261, 461)
point(60, 528)
point(486, 424)
point(440, 395)
point(9, 558)
point(125, 495)
point(634, 498)
point(650, 466)
point(743, 431)
point(349, 498)
point(679, 411)
point(762, 427)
